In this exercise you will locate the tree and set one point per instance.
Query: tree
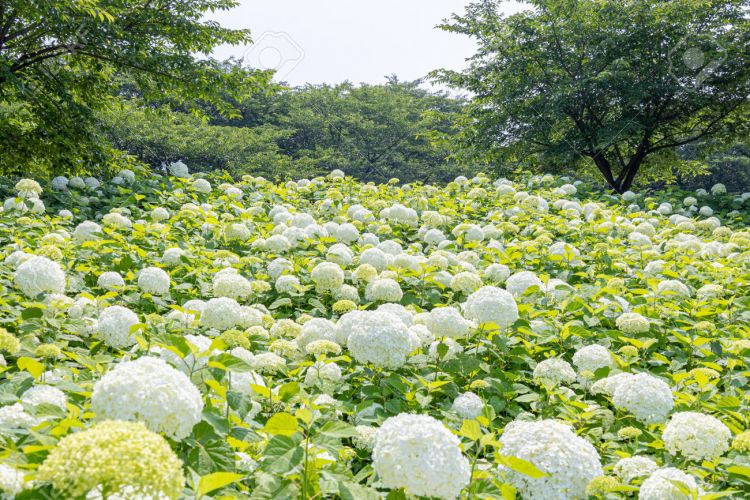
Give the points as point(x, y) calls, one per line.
point(61, 60)
point(615, 85)
point(374, 132)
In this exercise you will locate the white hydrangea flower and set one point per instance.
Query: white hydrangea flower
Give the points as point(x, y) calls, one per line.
point(491, 305)
point(148, 390)
point(554, 372)
point(648, 398)
point(592, 357)
point(202, 186)
point(519, 282)
point(468, 405)
point(384, 290)
point(673, 287)
point(15, 417)
point(660, 485)
point(229, 283)
point(221, 313)
point(327, 276)
point(110, 280)
point(632, 323)
point(11, 481)
point(570, 461)
point(417, 453)
point(381, 339)
point(113, 326)
point(447, 322)
point(696, 436)
point(38, 275)
point(44, 394)
point(86, 231)
point(153, 280)
point(634, 467)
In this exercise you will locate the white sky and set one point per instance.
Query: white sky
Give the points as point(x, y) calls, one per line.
point(357, 40)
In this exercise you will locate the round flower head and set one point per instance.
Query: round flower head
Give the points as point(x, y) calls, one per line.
point(153, 280)
point(417, 453)
point(491, 305)
point(570, 461)
point(379, 338)
point(554, 372)
point(660, 485)
point(110, 280)
point(468, 405)
point(384, 289)
point(202, 186)
point(592, 357)
point(221, 313)
point(631, 468)
point(44, 394)
point(86, 231)
point(518, 283)
point(447, 322)
point(696, 436)
point(327, 276)
point(648, 398)
point(632, 323)
point(114, 456)
point(673, 288)
point(231, 284)
point(114, 325)
point(39, 275)
point(150, 391)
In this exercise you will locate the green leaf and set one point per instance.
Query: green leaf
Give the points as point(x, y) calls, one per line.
point(215, 481)
point(282, 423)
point(32, 312)
point(338, 429)
point(30, 365)
point(354, 491)
point(282, 454)
point(470, 429)
point(740, 470)
point(522, 466)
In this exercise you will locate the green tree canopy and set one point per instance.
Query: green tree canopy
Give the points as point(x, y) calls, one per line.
point(60, 60)
point(615, 85)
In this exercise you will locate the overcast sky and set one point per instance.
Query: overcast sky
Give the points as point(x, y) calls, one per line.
point(357, 40)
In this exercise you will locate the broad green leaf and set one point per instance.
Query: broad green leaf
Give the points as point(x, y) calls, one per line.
point(216, 480)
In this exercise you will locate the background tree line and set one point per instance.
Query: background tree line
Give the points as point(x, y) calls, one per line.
point(629, 93)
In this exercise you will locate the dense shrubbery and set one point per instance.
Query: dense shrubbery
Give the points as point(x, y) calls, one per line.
point(194, 335)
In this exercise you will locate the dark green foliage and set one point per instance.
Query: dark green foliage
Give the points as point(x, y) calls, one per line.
point(373, 132)
point(606, 85)
point(58, 59)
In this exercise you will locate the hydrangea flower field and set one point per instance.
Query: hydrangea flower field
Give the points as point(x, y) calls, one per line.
point(193, 336)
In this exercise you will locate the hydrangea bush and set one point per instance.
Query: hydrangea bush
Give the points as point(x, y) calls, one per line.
point(198, 336)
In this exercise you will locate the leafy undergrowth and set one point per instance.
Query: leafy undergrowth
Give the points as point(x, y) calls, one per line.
point(198, 337)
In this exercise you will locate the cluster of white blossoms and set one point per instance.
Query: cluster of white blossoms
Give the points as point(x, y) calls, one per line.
point(648, 398)
point(114, 326)
point(381, 339)
point(153, 280)
point(554, 372)
point(148, 390)
point(593, 357)
point(447, 322)
point(569, 461)
point(221, 313)
point(632, 323)
point(37, 275)
point(473, 303)
point(468, 405)
point(420, 455)
point(668, 484)
point(491, 306)
point(696, 436)
point(635, 467)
